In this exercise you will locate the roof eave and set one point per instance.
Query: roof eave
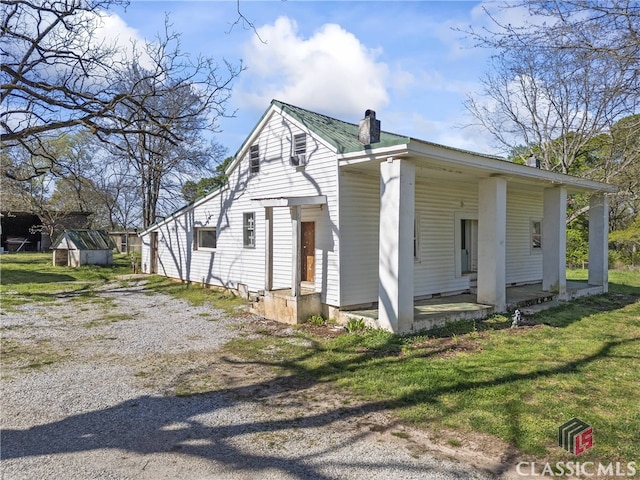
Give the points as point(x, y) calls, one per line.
point(486, 163)
point(378, 153)
point(182, 210)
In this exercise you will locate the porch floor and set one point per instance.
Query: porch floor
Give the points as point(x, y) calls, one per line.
point(437, 311)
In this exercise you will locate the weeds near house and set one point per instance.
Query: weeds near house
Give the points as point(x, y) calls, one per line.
point(356, 325)
point(29, 355)
point(106, 320)
point(317, 320)
point(31, 277)
point(196, 295)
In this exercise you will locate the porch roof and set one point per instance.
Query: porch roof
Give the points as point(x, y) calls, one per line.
point(439, 163)
point(291, 201)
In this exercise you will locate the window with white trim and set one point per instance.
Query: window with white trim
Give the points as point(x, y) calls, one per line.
point(299, 157)
point(254, 159)
point(206, 238)
point(249, 229)
point(536, 236)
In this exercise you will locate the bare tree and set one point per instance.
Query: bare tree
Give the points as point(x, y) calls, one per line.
point(183, 96)
point(118, 191)
point(38, 195)
point(561, 78)
point(57, 75)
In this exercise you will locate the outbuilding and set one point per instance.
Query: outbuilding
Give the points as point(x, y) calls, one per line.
point(74, 248)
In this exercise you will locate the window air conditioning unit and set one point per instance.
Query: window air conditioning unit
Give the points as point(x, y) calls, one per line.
point(299, 160)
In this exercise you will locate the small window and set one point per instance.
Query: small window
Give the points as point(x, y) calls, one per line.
point(254, 159)
point(536, 235)
point(299, 156)
point(206, 239)
point(249, 221)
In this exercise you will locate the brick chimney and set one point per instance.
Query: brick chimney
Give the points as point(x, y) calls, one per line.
point(369, 128)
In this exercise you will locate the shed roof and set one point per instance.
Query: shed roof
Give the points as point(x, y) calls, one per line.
point(86, 239)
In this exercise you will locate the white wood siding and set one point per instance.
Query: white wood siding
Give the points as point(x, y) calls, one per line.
point(231, 263)
point(439, 206)
point(359, 224)
point(523, 265)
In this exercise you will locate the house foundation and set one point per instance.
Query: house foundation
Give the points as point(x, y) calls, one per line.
point(280, 305)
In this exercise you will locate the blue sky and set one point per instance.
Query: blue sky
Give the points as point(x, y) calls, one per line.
point(402, 59)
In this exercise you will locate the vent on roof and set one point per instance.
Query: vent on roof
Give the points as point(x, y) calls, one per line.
point(369, 128)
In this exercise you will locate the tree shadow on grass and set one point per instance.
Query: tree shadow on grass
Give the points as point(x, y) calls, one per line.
point(205, 425)
point(15, 277)
point(562, 315)
point(149, 424)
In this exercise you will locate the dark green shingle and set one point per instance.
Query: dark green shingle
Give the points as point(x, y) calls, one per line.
point(342, 135)
point(86, 239)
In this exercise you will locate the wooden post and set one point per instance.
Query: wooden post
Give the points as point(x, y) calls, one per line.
point(395, 255)
point(295, 246)
point(492, 235)
point(268, 261)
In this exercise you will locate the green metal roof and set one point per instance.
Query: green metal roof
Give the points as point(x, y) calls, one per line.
point(86, 239)
point(342, 135)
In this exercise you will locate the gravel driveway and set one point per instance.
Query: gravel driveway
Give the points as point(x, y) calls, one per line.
point(93, 386)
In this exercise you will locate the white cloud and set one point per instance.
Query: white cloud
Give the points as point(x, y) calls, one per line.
point(436, 81)
point(448, 131)
point(331, 71)
point(112, 30)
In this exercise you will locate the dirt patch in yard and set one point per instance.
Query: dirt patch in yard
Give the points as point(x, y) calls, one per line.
point(291, 396)
point(141, 387)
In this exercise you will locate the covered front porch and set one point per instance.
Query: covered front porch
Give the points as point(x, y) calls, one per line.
point(511, 236)
point(437, 311)
point(295, 304)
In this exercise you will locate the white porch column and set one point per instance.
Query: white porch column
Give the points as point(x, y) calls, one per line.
point(554, 241)
point(395, 258)
point(296, 232)
point(599, 241)
point(268, 248)
point(492, 234)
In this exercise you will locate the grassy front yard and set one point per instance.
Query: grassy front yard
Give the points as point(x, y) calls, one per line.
point(28, 277)
point(577, 360)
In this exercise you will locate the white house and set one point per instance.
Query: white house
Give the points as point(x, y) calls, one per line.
point(320, 215)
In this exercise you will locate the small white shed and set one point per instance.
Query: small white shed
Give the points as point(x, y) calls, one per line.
point(74, 248)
